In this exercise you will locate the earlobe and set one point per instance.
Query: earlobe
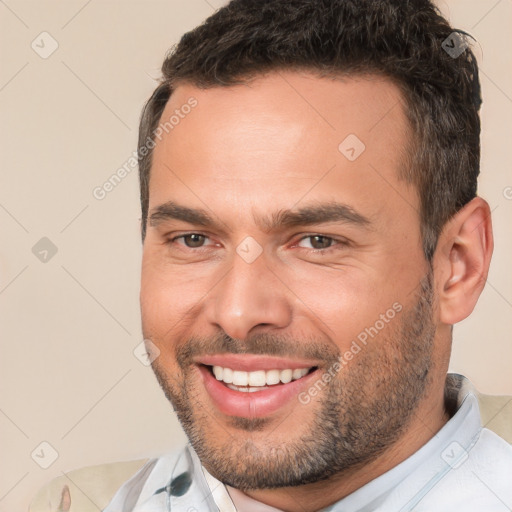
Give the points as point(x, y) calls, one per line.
point(462, 260)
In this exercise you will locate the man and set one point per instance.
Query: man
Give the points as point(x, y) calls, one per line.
point(311, 235)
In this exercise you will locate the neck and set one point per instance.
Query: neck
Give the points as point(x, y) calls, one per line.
point(426, 421)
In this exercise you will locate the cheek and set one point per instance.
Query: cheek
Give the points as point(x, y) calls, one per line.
point(169, 297)
point(160, 316)
point(342, 302)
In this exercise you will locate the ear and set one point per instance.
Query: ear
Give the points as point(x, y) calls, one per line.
point(462, 259)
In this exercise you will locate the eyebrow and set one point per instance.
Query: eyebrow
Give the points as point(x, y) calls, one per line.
point(319, 213)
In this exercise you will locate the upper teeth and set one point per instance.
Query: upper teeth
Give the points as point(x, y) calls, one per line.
point(259, 377)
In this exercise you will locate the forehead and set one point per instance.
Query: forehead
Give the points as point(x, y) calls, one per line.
point(283, 133)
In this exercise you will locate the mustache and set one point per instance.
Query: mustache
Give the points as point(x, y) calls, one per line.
point(259, 344)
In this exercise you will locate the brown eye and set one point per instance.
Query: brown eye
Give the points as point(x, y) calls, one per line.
point(193, 240)
point(320, 242)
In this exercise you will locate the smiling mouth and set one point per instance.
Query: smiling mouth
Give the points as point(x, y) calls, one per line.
point(254, 386)
point(259, 380)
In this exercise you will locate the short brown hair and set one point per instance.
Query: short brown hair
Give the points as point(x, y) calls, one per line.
point(406, 41)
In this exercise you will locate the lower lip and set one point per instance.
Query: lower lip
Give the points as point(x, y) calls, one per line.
point(252, 405)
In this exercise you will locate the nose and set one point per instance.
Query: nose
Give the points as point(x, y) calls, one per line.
point(250, 296)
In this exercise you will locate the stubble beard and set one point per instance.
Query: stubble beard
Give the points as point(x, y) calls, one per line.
point(364, 410)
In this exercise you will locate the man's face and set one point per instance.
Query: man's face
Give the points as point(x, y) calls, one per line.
point(305, 263)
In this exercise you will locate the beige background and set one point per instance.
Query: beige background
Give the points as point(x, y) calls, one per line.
point(69, 326)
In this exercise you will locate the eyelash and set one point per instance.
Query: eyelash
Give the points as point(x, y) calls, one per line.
point(338, 243)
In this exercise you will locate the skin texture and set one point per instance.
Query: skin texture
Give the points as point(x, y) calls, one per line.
point(243, 154)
